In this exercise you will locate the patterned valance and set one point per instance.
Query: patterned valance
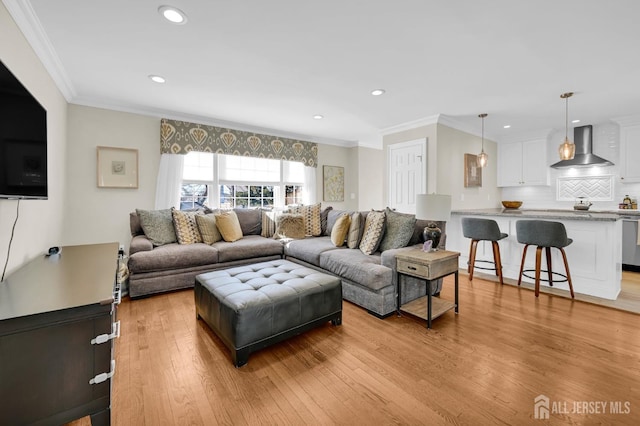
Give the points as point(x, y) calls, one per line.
point(181, 137)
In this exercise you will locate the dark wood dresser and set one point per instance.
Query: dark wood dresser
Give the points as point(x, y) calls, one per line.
point(57, 329)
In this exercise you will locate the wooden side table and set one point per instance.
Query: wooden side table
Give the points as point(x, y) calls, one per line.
point(428, 266)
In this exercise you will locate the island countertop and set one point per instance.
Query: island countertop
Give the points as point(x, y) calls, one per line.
point(605, 216)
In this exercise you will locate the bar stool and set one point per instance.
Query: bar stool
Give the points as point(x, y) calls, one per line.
point(543, 234)
point(483, 230)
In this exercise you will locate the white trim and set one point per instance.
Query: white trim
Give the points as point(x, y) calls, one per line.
point(426, 121)
point(629, 120)
point(25, 18)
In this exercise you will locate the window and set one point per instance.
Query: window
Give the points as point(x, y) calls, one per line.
point(228, 181)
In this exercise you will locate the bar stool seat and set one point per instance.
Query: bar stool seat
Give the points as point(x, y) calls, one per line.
point(543, 234)
point(483, 230)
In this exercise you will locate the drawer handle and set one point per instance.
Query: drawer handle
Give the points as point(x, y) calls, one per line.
point(413, 268)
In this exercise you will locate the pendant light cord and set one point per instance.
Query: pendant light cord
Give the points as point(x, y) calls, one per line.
point(11, 240)
point(566, 116)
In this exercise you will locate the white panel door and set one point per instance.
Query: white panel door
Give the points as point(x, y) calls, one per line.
point(407, 169)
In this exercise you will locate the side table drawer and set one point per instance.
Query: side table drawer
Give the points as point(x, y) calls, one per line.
point(411, 268)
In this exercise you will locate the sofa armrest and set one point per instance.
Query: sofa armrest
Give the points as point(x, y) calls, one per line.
point(140, 243)
point(388, 257)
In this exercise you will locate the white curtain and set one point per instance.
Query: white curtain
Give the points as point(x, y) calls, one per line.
point(169, 180)
point(310, 193)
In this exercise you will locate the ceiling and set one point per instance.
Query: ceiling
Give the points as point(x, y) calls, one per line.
point(271, 66)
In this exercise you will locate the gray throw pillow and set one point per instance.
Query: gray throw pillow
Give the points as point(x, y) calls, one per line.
point(398, 230)
point(157, 226)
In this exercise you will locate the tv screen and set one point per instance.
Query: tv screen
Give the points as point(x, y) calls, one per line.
point(23, 141)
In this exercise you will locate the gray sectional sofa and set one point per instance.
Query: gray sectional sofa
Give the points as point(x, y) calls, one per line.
point(367, 280)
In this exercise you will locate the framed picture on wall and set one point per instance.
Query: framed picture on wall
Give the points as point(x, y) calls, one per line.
point(332, 183)
point(117, 167)
point(472, 173)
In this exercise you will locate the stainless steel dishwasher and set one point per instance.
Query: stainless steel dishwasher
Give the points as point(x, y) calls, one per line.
point(630, 247)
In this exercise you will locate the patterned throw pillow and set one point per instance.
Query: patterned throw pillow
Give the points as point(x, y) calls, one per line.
point(269, 223)
point(186, 227)
point(340, 230)
point(373, 231)
point(208, 228)
point(157, 226)
point(228, 225)
point(289, 226)
point(398, 230)
point(311, 215)
point(355, 231)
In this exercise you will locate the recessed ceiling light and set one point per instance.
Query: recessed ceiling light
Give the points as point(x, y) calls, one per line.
point(318, 117)
point(157, 78)
point(506, 126)
point(575, 121)
point(377, 92)
point(173, 15)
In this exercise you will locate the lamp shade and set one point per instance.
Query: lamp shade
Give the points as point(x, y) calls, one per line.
point(435, 207)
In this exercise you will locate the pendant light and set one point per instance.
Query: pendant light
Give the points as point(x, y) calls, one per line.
point(482, 157)
point(567, 149)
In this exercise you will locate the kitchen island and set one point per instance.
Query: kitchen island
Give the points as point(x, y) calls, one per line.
point(595, 256)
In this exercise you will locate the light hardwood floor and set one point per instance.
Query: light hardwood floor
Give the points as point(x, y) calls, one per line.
point(483, 366)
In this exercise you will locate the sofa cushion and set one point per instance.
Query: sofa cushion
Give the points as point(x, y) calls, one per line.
point(357, 267)
point(311, 216)
point(309, 249)
point(134, 224)
point(248, 247)
point(332, 217)
point(340, 230)
point(208, 228)
point(157, 226)
point(172, 256)
point(398, 230)
point(355, 230)
point(228, 225)
point(289, 226)
point(323, 219)
point(184, 223)
point(373, 232)
point(250, 221)
point(269, 218)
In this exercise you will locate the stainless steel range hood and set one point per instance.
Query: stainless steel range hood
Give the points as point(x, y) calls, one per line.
point(583, 138)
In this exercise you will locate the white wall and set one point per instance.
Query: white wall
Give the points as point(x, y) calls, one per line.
point(445, 165)
point(331, 155)
point(96, 215)
point(370, 164)
point(40, 222)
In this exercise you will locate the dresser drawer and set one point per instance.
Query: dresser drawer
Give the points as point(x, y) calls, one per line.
point(411, 268)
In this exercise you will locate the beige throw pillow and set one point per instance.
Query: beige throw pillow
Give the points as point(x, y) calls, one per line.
point(228, 225)
point(289, 226)
point(208, 229)
point(355, 228)
point(340, 230)
point(373, 231)
point(312, 220)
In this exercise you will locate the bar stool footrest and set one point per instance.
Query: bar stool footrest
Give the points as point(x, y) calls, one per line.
point(545, 272)
point(485, 261)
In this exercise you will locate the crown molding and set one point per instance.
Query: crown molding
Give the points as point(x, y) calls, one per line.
point(25, 18)
point(629, 120)
point(426, 121)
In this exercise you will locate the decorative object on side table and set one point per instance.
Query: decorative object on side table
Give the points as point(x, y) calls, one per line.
point(433, 207)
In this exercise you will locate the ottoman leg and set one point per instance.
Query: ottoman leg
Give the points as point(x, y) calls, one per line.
point(240, 357)
point(337, 320)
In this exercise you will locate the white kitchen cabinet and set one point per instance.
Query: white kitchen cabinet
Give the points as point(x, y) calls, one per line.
point(629, 154)
point(523, 163)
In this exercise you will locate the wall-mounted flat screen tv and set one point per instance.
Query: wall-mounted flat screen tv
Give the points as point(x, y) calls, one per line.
point(23, 141)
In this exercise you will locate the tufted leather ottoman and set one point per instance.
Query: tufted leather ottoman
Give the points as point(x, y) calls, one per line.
point(251, 307)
